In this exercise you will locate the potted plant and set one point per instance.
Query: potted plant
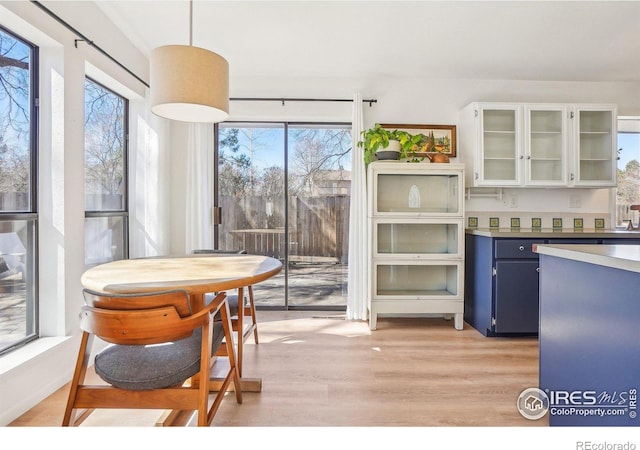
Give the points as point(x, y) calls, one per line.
point(382, 144)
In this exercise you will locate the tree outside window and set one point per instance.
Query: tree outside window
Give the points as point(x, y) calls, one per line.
point(105, 142)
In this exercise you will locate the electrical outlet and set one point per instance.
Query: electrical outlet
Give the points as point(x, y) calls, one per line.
point(512, 201)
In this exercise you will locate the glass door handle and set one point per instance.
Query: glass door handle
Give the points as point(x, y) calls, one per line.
point(217, 215)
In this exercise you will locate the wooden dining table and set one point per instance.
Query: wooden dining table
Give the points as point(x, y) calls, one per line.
point(196, 274)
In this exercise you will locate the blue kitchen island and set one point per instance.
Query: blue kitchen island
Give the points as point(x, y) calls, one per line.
point(589, 333)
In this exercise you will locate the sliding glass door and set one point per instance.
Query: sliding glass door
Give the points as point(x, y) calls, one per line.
point(282, 190)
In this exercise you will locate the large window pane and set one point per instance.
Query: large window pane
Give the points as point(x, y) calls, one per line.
point(15, 123)
point(106, 217)
point(105, 239)
point(104, 146)
point(18, 215)
point(250, 193)
point(319, 194)
point(17, 282)
point(284, 190)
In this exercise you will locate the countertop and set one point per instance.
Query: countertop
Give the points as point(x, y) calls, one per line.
point(624, 257)
point(550, 233)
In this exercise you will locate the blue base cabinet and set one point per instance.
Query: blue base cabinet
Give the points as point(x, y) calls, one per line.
point(501, 279)
point(501, 295)
point(589, 334)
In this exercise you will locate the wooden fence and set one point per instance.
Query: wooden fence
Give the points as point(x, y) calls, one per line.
point(318, 227)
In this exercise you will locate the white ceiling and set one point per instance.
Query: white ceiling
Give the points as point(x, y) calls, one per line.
point(517, 40)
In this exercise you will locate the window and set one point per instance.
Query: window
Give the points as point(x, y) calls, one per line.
point(105, 178)
point(18, 211)
point(284, 191)
point(628, 190)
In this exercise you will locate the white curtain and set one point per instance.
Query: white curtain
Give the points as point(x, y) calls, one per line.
point(199, 192)
point(358, 278)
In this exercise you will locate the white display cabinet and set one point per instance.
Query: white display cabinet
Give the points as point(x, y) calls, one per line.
point(416, 221)
point(539, 145)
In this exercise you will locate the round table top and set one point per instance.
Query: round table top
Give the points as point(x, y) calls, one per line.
point(196, 274)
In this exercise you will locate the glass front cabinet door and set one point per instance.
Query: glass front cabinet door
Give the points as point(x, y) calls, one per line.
point(545, 145)
point(416, 216)
point(499, 153)
point(595, 146)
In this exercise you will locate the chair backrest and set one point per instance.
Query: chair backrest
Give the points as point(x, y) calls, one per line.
point(138, 319)
point(177, 298)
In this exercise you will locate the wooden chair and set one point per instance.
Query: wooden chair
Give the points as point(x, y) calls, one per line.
point(243, 330)
point(141, 375)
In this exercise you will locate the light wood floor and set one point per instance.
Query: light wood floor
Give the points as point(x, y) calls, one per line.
point(321, 370)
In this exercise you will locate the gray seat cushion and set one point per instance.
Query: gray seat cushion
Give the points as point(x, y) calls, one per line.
point(232, 300)
point(142, 367)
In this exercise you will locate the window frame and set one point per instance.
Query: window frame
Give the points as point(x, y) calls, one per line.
point(32, 215)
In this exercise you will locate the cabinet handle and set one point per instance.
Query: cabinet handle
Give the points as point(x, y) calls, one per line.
point(572, 177)
point(528, 156)
point(521, 248)
point(521, 157)
point(538, 269)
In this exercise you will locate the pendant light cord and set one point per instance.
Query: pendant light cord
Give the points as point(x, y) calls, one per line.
point(190, 23)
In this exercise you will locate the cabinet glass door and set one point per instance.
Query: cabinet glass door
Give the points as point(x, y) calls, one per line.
point(437, 239)
point(595, 147)
point(417, 281)
point(411, 194)
point(500, 150)
point(545, 146)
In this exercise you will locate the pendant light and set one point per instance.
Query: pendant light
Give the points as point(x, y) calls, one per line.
point(188, 83)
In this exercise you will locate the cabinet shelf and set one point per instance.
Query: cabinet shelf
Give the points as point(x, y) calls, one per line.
point(439, 238)
point(545, 159)
point(418, 294)
point(497, 158)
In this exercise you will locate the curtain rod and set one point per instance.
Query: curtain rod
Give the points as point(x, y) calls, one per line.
point(83, 38)
point(283, 100)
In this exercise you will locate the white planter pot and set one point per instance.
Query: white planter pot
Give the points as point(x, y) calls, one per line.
point(392, 151)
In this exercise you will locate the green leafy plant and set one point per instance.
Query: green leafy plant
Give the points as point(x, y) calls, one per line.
point(408, 144)
point(377, 138)
point(373, 139)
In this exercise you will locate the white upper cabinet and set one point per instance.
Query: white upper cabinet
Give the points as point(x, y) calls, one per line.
point(535, 144)
point(499, 153)
point(595, 146)
point(545, 145)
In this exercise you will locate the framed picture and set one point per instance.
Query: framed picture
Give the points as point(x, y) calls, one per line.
point(435, 138)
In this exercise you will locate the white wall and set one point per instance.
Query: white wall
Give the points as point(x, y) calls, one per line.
point(31, 373)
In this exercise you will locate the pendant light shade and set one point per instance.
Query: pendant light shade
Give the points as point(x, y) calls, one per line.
point(189, 84)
